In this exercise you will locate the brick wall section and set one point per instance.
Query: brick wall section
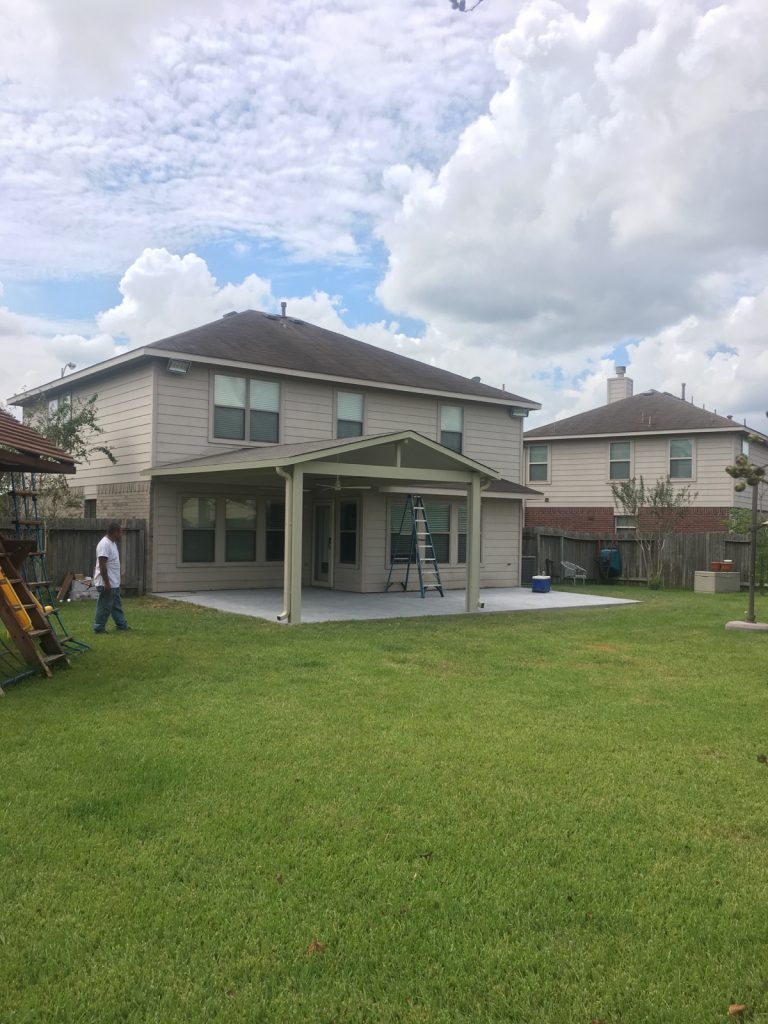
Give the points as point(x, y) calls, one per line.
point(600, 520)
point(123, 501)
point(580, 520)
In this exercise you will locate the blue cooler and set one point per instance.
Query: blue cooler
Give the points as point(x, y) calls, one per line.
point(541, 584)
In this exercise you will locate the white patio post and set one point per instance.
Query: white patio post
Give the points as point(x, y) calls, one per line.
point(295, 542)
point(473, 544)
point(285, 614)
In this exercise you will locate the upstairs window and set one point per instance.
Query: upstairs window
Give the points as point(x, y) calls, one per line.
point(681, 458)
point(538, 463)
point(452, 427)
point(349, 414)
point(62, 402)
point(265, 411)
point(246, 410)
point(620, 460)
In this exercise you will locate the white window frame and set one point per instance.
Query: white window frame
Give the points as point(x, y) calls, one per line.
point(220, 529)
point(244, 441)
point(356, 394)
point(528, 463)
point(617, 525)
point(620, 479)
point(692, 443)
point(441, 431)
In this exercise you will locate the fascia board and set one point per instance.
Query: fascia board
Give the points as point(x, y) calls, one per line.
point(79, 376)
point(635, 433)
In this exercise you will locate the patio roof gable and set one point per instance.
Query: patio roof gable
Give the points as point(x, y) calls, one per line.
point(402, 450)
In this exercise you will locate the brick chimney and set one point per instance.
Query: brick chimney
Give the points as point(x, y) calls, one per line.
point(619, 386)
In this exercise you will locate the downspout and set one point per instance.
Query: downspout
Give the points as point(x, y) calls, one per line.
point(287, 552)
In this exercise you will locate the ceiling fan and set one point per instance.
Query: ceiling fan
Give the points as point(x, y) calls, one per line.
point(338, 486)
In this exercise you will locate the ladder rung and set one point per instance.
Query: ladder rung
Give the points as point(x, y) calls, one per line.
point(38, 583)
point(54, 657)
point(38, 632)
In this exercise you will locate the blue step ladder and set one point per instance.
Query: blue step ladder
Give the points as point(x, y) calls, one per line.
point(412, 545)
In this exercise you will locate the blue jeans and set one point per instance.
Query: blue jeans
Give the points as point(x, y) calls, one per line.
point(109, 603)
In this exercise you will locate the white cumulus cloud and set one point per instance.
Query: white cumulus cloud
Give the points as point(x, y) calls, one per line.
point(622, 166)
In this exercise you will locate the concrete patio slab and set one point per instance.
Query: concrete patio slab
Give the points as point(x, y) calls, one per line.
point(318, 605)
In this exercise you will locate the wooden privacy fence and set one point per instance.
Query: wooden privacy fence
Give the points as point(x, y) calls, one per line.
point(685, 553)
point(71, 546)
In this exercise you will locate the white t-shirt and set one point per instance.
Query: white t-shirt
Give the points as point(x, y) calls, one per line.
point(107, 548)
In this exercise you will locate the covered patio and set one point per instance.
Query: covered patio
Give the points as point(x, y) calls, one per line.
point(310, 474)
point(337, 606)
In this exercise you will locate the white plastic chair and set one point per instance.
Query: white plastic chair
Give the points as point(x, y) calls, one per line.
point(573, 572)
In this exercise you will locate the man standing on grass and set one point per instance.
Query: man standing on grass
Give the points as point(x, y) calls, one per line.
point(106, 579)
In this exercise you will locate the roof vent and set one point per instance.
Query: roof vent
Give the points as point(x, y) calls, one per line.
point(232, 312)
point(283, 307)
point(272, 316)
point(475, 380)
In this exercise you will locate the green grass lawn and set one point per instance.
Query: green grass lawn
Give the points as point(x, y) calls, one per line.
point(536, 817)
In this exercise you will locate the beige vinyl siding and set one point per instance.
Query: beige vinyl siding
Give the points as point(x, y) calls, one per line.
point(493, 437)
point(307, 411)
point(502, 525)
point(579, 469)
point(183, 416)
point(124, 413)
point(387, 411)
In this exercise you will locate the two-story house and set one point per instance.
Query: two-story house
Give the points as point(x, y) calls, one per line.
point(574, 461)
point(267, 452)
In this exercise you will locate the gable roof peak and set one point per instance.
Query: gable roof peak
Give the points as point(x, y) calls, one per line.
point(648, 412)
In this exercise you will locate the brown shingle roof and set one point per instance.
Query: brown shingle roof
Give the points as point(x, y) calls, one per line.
point(650, 412)
point(22, 448)
point(287, 343)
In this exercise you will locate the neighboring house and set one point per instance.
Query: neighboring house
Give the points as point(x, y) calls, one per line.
point(574, 461)
point(267, 452)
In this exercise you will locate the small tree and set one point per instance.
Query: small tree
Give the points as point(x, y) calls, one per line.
point(740, 521)
point(747, 474)
point(71, 426)
point(657, 511)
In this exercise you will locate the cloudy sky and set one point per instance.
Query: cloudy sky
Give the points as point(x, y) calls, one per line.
point(530, 192)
